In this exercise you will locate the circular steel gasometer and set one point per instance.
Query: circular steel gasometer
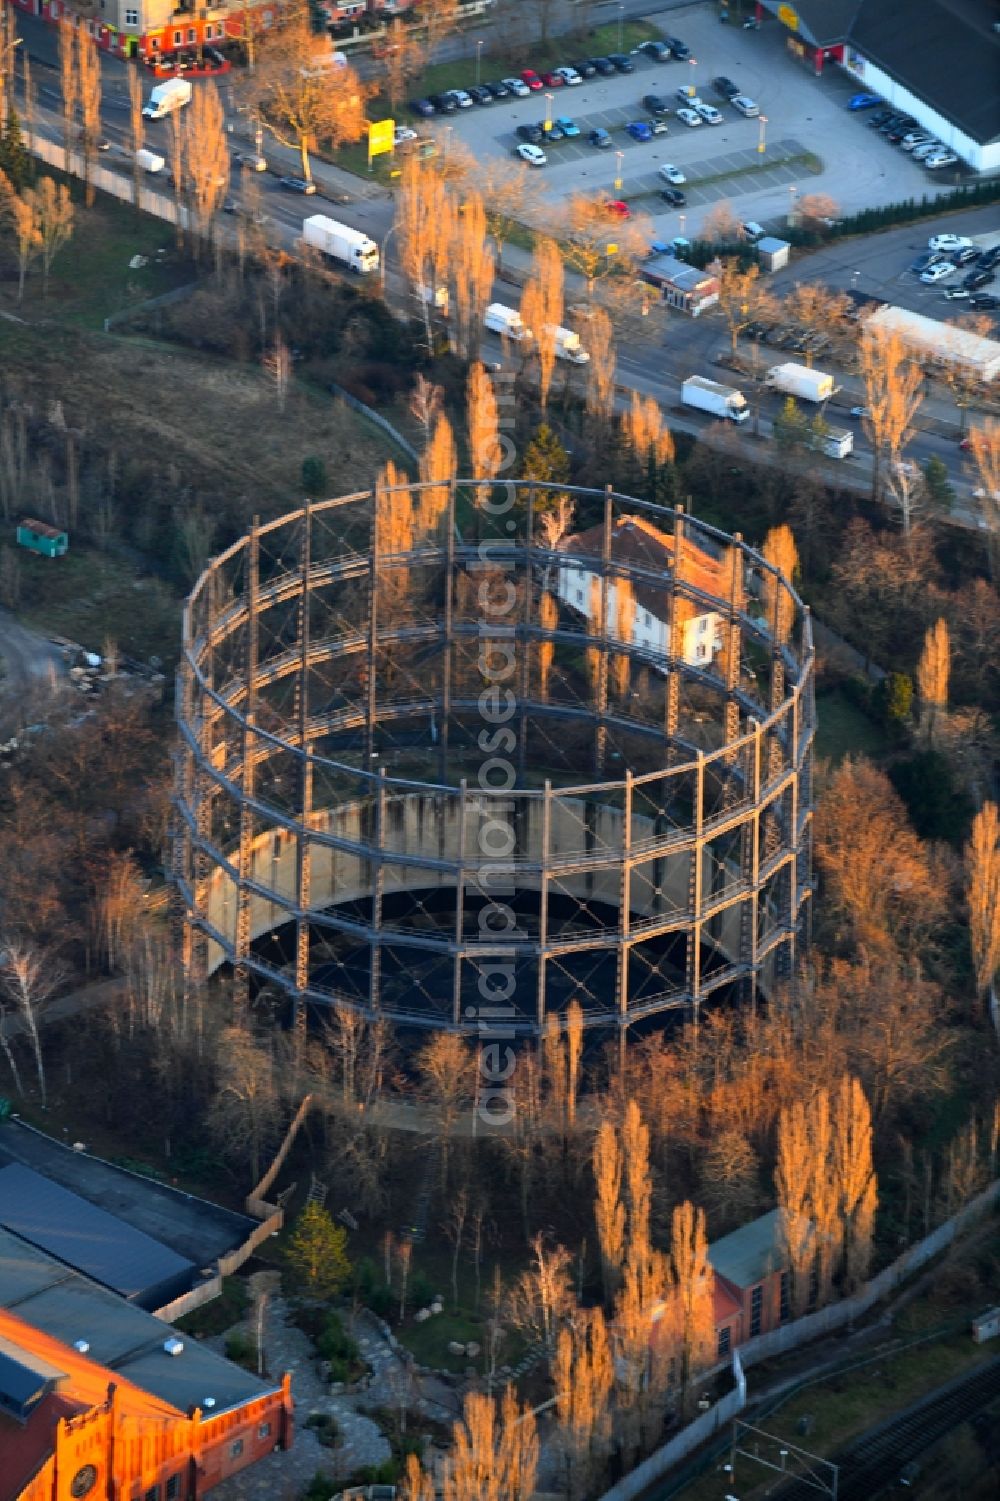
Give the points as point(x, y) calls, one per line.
point(456, 755)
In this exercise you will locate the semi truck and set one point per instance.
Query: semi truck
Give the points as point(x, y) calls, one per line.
point(711, 396)
point(802, 381)
point(506, 321)
point(567, 345)
point(339, 242)
point(172, 94)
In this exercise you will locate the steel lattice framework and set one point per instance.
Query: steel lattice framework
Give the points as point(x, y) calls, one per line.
point(405, 712)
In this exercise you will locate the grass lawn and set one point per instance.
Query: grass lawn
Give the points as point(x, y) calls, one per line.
point(845, 730)
point(92, 597)
point(91, 278)
point(428, 1342)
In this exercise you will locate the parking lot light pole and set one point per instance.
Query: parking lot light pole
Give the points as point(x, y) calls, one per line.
point(548, 112)
point(619, 157)
point(621, 26)
point(683, 219)
point(792, 190)
point(694, 85)
point(479, 59)
point(761, 139)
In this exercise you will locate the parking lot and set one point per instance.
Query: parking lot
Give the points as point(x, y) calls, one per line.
point(804, 114)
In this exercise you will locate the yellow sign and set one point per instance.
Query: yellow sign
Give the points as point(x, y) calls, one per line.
point(788, 17)
point(381, 137)
point(612, 250)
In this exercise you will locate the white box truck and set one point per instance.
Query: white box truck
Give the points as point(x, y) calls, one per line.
point(567, 345)
point(712, 396)
point(506, 321)
point(801, 380)
point(149, 161)
point(173, 94)
point(340, 242)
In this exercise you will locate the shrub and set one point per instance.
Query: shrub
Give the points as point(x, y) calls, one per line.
point(241, 1349)
point(313, 476)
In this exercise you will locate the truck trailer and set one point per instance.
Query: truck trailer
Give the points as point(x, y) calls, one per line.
point(339, 242)
point(711, 396)
point(802, 381)
point(172, 94)
point(567, 345)
point(506, 321)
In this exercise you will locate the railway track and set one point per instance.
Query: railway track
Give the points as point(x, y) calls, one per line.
point(876, 1458)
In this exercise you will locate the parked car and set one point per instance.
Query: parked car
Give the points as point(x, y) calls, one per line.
point(937, 272)
point(990, 258)
point(745, 105)
point(445, 104)
point(517, 87)
point(618, 209)
point(863, 101)
point(656, 104)
point(603, 65)
point(976, 279)
point(725, 87)
point(894, 121)
point(944, 244)
point(957, 294)
point(687, 95)
point(298, 185)
point(639, 130)
point(689, 117)
point(916, 138)
point(480, 94)
point(600, 139)
point(752, 231)
point(499, 89)
point(924, 259)
point(860, 412)
point(673, 196)
point(462, 98)
point(897, 132)
point(709, 113)
point(568, 127)
point(531, 78)
point(678, 49)
point(658, 51)
point(569, 76)
point(422, 107)
point(551, 130)
point(659, 127)
point(985, 300)
point(621, 62)
point(877, 121)
point(964, 254)
point(533, 133)
point(587, 68)
point(938, 159)
point(672, 174)
point(533, 155)
point(251, 161)
point(929, 148)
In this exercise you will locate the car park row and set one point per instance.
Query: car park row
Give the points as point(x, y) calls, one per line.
point(905, 132)
point(948, 253)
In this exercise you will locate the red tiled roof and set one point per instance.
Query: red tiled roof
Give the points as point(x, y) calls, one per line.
point(637, 543)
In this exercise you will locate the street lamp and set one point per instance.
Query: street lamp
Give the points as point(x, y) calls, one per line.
point(792, 190)
point(383, 257)
point(548, 112)
point(761, 142)
point(479, 58)
point(621, 25)
point(683, 219)
point(620, 157)
point(694, 86)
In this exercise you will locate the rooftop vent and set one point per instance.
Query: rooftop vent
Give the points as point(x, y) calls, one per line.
point(208, 1402)
point(173, 1345)
point(81, 1346)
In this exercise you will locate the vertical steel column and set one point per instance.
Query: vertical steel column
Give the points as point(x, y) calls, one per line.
point(601, 740)
point(459, 934)
point(543, 905)
point(449, 626)
point(793, 837)
point(203, 793)
point(734, 644)
point(773, 819)
point(624, 910)
point(749, 904)
point(241, 978)
point(672, 688)
point(378, 888)
point(696, 894)
point(524, 675)
point(303, 848)
point(371, 700)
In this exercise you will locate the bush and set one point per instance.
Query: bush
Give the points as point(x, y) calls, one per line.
point(320, 1487)
point(334, 1343)
point(241, 1349)
point(222, 1313)
point(313, 476)
point(938, 809)
point(420, 1290)
point(327, 1430)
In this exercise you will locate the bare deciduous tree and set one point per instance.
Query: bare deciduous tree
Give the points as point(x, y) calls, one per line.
point(780, 551)
point(30, 978)
point(743, 297)
point(602, 366)
point(933, 672)
point(137, 131)
point(403, 58)
point(54, 217)
point(69, 81)
point(89, 85)
point(984, 452)
point(438, 467)
point(482, 420)
point(609, 1211)
point(542, 309)
point(206, 156)
point(982, 870)
point(892, 380)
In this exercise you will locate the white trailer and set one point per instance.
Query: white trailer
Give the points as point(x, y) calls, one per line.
point(567, 345)
point(801, 380)
point(836, 442)
point(712, 396)
point(173, 94)
point(339, 242)
point(506, 321)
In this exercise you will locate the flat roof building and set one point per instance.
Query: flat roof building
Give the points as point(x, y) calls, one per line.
point(943, 343)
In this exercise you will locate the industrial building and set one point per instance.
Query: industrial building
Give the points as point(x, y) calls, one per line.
point(939, 60)
point(940, 343)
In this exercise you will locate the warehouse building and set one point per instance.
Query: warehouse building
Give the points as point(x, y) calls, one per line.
point(937, 60)
point(940, 343)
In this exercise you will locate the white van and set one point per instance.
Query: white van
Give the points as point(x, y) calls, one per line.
point(149, 161)
point(506, 321)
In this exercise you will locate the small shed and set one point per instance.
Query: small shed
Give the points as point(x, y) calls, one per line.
point(773, 252)
point(683, 287)
point(38, 536)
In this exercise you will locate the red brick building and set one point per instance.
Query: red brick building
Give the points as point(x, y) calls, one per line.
point(751, 1281)
point(101, 1400)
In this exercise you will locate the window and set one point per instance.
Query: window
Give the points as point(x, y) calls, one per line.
point(786, 1310)
point(649, 620)
point(579, 596)
point(178, 38)
point(173, 1490)
point(154, 44)
point(724, 1340)
point(756, 1309)
point(153, 1494)
point(236, 1449)
point(264, 1431)
point(192, 34)
point(131, 18)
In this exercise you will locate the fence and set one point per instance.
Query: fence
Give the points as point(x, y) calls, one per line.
point(178, 294)
point(107, 181)
point(800, 1332)
point(378, 419)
